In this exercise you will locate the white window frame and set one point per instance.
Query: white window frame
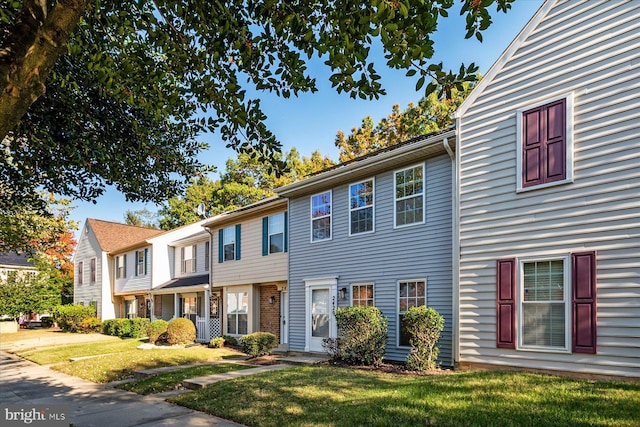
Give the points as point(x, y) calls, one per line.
point(568, 140)
point(188, 265)
point(236, 291)
point(140, 263)
point(207, 255)
point(121, 266)
point(396, 199)
point(372, 206)
point(232, 232)
point(281, 214)
point(399, 312)
point(364, 284)
point(566, 258)
point(330, 216)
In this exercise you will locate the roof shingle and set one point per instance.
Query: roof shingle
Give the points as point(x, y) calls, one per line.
point(113, 235)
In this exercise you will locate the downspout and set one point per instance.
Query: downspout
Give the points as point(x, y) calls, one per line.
point(209, 288)
point(455, 248)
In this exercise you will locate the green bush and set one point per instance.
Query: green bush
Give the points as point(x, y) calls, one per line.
point(181, 331)
point(70, 317)
point(91, 325)
point(155, 329)
point(258, 343)
point(117, 327)
point(216, 342)
point(424, 326)
point(362, 335)
point(229, 340)
point(138, 327)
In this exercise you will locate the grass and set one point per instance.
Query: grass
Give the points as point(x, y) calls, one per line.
point(330, 396)
point(172, 380)
point(64, 353)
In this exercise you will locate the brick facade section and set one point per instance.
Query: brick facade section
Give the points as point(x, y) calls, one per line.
point(270, 313)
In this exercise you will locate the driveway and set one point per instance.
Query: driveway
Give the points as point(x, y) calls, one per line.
point(86, 404)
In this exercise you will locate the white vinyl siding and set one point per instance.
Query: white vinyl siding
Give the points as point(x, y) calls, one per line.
point(587, 49)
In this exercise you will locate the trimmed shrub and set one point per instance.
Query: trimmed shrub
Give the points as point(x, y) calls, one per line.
point(91, 325)
point(138, 327)
point(258, 343)
point(217, 342)
point(362, 335)
point(70, 317)
point(117, 327)
point(229, 340)
point(155, 329)
point(181, 331)
point(424, 326)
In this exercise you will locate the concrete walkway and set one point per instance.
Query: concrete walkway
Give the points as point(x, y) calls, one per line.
point(91, 405)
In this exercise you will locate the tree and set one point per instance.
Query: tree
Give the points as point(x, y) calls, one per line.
point(429, 115)
point(141, 218)
point(118, 85)
point(246, 180)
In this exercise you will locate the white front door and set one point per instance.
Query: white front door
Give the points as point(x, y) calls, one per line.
point(320, 313)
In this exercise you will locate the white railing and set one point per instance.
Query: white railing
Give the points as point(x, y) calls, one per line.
point(201, 328)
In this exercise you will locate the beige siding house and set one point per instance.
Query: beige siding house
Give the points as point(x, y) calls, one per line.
point(249, 261)
point(549, 197)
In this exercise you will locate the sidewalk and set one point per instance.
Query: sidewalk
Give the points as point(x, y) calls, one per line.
point(90, 404)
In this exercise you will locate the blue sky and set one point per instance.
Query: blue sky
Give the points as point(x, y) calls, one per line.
point(310, 122)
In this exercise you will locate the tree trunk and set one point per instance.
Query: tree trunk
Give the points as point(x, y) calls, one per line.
point(29, 53)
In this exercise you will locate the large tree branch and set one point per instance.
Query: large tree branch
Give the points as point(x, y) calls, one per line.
point(38, 38)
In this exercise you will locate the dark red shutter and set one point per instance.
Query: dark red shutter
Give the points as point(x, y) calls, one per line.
point(506, 303)
point(555, 142)
point(532, 148)
point(583, 284)
point(544, 144)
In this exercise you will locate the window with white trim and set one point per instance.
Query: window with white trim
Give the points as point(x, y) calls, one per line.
point(207, 258)
point(362, 294)
point(141, 262)
point(229, 243)
point(94, 270)
point(121, 266)
point(361, 202)
point(237, 313)
point(321, 217)
point(188, 258)
point(411, 293)
point(80, 273)
point(276, 233)
point(544, 304)
point(409, 196)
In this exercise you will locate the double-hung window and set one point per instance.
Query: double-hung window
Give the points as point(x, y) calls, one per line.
point(273, 234)
point(362, 294)
point(409, 196)
point(544, 135)
point(361, 202)
point(321, 216)
point(411, 293)
point(121, 266)
point(188, 257)
point(80, 273)
point(229, 243)
point(207, 259)
point(237, 313)
point(140, 258)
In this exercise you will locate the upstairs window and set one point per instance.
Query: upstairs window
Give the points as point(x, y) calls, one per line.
point(80, 273)
point(361, 207)
point(140, 258)
point(545, 156)
point(274, 234)
point(188, 258)
point(206, 256)
point(409, 196)
point(229, 243)
point(121, 266)
point(321, 217)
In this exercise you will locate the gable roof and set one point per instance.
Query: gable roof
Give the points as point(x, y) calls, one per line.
point(113, 235)
point(505, 57)
point(11, 259)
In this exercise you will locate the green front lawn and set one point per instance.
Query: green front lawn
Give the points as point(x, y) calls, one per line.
point(173, 379)
point(64, 353)
point(330, 396)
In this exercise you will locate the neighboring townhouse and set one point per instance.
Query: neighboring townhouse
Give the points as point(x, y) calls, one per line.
point(94, 267)
point(549, 197)
point(180, 285)
point(13, 266)
point(249, 269)
point(373, 231)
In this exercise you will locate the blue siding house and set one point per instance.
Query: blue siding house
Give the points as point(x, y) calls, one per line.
point(376, 230)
